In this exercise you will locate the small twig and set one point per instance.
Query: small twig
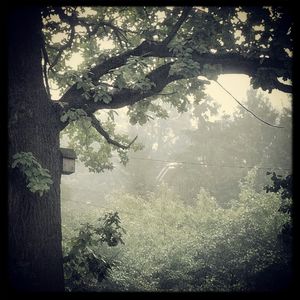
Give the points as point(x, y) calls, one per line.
point(46, 79)
point(178, 24)
point(150, 117)
point(118, 38)
point(97, 125)
point(167, 94)
point(71, 20)
point(63, 48)
point(253, 114)
point(100, 23)
point(109, 85)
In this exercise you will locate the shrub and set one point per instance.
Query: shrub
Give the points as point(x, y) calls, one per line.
point(170, 246)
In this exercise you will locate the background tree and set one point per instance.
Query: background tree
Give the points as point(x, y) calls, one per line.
point(161, 139)
point(153, 50)
point(232, 147)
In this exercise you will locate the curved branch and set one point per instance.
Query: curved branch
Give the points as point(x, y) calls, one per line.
point(160, 77)
point(146, 48)
point(97, 125)
point(232, 63)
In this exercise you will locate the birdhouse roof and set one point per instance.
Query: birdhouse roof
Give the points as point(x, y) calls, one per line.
point(68, 153)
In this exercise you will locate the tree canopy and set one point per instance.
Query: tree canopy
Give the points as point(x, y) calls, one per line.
point(135, 56)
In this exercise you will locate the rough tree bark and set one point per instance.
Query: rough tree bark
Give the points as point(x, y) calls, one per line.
point(35, 253)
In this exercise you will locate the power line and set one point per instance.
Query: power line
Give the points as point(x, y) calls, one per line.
point(207, 165)
point(248, 110)
point(187, 163)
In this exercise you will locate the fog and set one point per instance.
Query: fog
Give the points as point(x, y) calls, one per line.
point(207, 167)
point(166, 140)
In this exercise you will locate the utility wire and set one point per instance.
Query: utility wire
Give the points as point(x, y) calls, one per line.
point(208, 165)
point(252, 113)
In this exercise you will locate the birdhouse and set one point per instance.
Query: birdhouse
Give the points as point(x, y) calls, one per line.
point(68, 161)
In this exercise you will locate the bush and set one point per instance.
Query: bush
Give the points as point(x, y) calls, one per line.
point(170, 246)
point(88, 261)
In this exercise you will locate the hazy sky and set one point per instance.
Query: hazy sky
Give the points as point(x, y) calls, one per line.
point(238, 85)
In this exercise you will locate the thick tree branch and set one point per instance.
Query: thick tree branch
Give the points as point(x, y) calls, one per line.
point(232, 63)
point(160, 77)
point(144, 49)
point(97, 125)
point(176, 27)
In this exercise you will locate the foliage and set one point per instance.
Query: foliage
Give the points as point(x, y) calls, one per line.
point(219, 164)
point(123, 60)
point(73, 115)
point(171, 246)
point(84, 264)
point(281, 184)
point(92, 149)
point(38, 178)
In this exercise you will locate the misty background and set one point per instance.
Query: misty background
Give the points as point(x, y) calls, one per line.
point(213, 145)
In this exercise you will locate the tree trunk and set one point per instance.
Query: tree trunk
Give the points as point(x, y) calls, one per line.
point(35, 251)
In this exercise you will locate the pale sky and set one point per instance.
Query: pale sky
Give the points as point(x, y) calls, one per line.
point(238, 85)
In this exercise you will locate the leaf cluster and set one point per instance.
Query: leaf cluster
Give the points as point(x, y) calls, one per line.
point(283, 185)
point(73, 114)
point(92, 149)
point(38, 179)
point(83, 264)
point(184, 64)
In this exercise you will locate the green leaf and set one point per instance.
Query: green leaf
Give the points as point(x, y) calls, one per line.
point(106, 98)
point(64, 118)
point(38, 178)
